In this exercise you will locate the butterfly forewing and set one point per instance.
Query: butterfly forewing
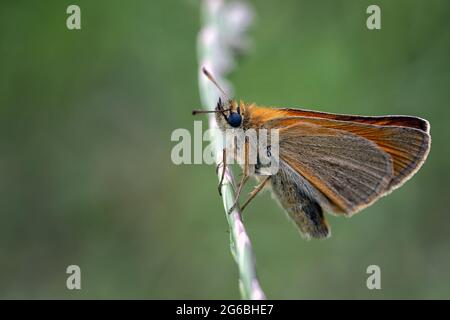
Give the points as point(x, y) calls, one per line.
point(408, 147)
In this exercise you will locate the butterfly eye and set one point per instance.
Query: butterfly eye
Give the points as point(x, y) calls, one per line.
point(234, 119)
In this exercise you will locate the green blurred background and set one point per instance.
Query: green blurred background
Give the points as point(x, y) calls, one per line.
point(85, 170)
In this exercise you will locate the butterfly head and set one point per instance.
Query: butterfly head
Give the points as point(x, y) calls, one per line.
point(229, 114)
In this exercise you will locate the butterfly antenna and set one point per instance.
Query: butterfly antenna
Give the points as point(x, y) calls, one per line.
point(197, 111)
point(211, 78)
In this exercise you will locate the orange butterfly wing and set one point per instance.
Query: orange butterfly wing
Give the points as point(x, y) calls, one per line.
point(405, 139)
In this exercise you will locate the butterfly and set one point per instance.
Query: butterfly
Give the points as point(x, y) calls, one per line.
point(328, 162)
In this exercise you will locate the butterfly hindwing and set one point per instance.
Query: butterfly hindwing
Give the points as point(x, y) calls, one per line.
point(349, 170)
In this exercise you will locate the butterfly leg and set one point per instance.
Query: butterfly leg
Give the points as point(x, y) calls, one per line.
point(245, 176)
point(224, 165)
point(253, 194)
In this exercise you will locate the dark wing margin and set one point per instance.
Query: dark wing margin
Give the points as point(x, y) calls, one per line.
point(395, 120)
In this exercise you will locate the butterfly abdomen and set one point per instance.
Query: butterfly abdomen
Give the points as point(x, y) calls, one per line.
point(299, 201)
